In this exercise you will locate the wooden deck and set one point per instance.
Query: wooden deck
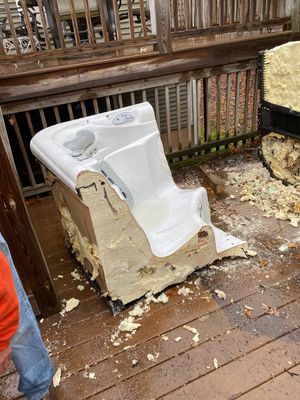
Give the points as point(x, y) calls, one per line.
point(257, 353)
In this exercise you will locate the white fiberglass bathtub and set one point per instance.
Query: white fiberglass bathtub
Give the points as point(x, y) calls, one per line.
point(125, 146)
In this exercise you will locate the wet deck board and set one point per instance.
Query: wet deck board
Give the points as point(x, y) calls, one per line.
point(257, 358)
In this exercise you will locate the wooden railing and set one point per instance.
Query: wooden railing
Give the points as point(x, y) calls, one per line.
point(213, 109)
point(49, 25)
point(131, 26)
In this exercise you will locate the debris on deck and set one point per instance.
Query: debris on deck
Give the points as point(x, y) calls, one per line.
point(256, 186)
point(220, 294)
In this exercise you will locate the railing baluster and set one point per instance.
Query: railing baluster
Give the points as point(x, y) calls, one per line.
point(189, 112)
point(95, 105)
point(255, 98)
point(117, 20)
point(57, 116)
point(206, 13)
point(242, 12)
point(198, 105)
point(207, 119)
point(44, 24)
point(32, 133)
point(70, 111)
point(2, 50)
point(28, 25)
point(120, 100)
point(83, 109)
point(268, 9)
point(132, 98)
point(195, 112)
point(175, 15)
point(156, 100)
point(187, 15)
point(103, 21)
point(130, 18)
point(43, 118)
point(74, 23)
point(237, 102)
point(218, 107)
point(221, 12)
point(296, 16)
point(58, 22)
point(228, 98)
point(252, 11)
point(23, 149)
point(231, 11)
point(262, 10)
point(143, 17)
point(144, 95)
point(89, 24)
point(169, 133)
point(246, 100)
point(12, 26)
point(178, 114)
point(107, 102)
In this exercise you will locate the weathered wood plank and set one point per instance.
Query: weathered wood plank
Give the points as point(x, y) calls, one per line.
point(47, 101)
point(283, 386)
point(171, 374)
point(272, 359)
point(212, 328)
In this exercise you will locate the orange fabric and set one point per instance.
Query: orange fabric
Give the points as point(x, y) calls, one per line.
point(9, 304)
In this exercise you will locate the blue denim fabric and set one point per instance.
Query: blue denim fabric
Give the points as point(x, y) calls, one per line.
point(28, 350)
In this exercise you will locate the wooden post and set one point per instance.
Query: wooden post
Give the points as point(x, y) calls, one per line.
point(16, 227)
point(206, 13)
point(163, 26)
point(296, 16)
point(54, 24)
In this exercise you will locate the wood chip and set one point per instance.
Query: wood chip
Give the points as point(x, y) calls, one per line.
point(251, 253)
point(57, 377)
point(178, 339)
point(263, 263)
point(195, 338)
point(270, 310)
point(248, 313)
point(216, 364)
point(71, 304)
point(190, 329)
point(220, 294)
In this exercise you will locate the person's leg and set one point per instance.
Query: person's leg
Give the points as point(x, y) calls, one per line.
point(28, 350)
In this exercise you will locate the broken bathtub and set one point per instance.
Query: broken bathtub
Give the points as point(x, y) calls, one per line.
point(124, 218)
